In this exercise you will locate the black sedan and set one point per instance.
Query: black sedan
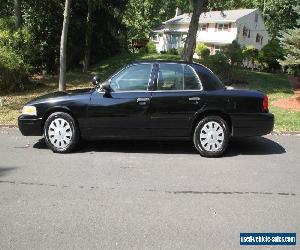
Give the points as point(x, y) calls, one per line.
point(160, 100)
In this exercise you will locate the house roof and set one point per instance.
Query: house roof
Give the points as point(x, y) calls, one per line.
point(212, 16)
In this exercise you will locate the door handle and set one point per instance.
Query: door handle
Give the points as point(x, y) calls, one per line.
point(143, 100)
point(194, 98)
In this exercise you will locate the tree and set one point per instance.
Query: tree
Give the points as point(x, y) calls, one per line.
point(88, 34)
point(290, 42)
point(18, 15)
point(63, 46)
point(269, 55)
point(190, 43)
point(234, 53)
point(251, 54)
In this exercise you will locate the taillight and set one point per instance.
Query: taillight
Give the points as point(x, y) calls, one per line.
point(266, 104)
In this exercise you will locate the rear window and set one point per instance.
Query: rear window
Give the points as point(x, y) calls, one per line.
point(208, 79)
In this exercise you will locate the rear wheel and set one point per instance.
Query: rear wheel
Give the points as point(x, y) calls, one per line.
point(211, 136)
point(61, 132)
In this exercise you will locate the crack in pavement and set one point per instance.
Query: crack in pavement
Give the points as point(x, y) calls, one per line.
point(149, 190)
point(222, 192)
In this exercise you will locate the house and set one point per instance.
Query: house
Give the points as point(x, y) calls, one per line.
point(217, 29)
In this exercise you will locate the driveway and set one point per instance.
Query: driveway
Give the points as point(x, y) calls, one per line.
point(145, 195)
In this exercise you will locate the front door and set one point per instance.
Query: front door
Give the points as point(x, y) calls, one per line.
point(125, 111)
point(176, 98)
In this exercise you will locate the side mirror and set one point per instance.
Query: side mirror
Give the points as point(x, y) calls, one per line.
point(96, 80)
point(106, 87)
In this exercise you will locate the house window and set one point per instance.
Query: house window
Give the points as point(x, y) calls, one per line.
point(259, 38)
point(223, 27)
point(245, 31)
point(249, 34)
point(203, 27)
point(256, 17)
point(175, 41)
point(155, 38)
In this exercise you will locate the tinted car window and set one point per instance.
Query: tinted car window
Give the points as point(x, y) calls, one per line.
point(170, 77)
point(191, 79)
point(135, 77)
point(208, 79)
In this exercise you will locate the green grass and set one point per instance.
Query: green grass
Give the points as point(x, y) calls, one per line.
point(275, 85)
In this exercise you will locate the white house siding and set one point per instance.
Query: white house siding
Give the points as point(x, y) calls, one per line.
point(214, 38)
point(174, 34)
point(255, 28)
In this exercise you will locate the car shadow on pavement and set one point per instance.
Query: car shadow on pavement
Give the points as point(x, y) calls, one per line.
point(237, 146)
point(253, 146)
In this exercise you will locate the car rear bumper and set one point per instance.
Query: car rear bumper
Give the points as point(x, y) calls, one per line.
point(252, 124)
point(30, 126)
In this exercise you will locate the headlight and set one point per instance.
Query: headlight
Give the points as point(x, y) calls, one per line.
point(29, 110)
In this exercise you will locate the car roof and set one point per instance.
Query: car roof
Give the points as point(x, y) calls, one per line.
point(161, 61)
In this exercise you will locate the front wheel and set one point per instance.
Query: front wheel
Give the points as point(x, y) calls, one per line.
point(211, 136)
point(61, 132)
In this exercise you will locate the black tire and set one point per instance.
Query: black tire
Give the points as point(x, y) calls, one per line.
point(68, 136)
point(216, 147)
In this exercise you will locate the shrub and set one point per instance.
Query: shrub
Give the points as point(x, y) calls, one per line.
point(251, 54)
point(180, 51)
point(202, 50)
point(173, 51)
point(151, 48)
point(270, 55)
point(290, 71)
point(13, 71)
point(19, 42)
point(219, 64)
point(234, 53)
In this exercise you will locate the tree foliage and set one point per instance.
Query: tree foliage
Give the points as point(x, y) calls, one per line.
point(202, 50)
point(290, 42)
point(251, 54)
point(234, 53)
point(270, 54)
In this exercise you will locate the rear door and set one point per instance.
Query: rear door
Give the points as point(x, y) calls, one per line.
point(176, 98)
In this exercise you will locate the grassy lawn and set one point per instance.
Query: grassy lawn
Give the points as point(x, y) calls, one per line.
point(275, 85)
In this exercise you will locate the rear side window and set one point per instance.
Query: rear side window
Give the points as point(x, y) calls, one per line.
point(208, 79)
point(172, 76)
point(191, 80)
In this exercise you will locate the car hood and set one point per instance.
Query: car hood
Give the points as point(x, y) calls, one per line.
point(60, 94)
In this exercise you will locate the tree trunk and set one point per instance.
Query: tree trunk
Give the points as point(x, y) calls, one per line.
point(190, 43)
point(63, 47)
point(88, 34)
point(18, 14)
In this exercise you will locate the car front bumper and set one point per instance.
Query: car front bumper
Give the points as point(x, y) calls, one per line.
point(252, 124)
point(30, 126)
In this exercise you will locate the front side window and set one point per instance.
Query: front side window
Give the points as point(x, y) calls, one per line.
point(133, 78)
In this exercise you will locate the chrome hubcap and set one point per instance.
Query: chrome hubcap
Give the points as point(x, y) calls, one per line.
point(60, 133)
point(212, 136)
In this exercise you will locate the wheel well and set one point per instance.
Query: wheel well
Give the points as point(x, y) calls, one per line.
point(200, 116)
point(54, 110)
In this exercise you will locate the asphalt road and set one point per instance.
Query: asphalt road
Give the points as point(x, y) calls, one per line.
point(146, 195)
